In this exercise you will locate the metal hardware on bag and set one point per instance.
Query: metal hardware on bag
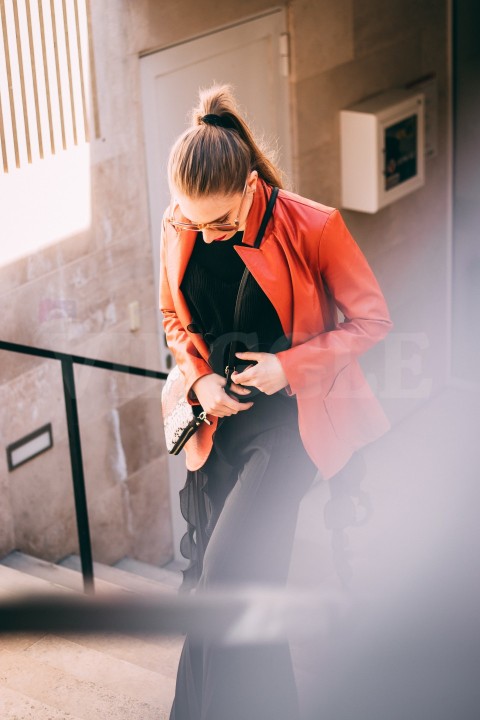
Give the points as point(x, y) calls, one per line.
point(189, 431)
point(203, 416)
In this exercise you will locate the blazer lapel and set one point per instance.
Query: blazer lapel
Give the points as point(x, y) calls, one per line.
point(269, 267)
point(268, 263)
point(183, 243)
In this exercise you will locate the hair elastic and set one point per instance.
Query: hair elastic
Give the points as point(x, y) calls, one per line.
point(218, 121)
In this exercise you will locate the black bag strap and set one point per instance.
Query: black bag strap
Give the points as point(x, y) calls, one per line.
point(266, 217)
point(236, 316)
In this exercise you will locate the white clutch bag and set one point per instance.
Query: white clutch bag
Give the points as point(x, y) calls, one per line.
point(180, 419)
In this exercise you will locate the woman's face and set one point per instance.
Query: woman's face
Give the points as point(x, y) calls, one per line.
point(219, 209)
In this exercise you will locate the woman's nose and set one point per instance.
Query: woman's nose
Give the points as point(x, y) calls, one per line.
point(211, 235)
point(208, 236)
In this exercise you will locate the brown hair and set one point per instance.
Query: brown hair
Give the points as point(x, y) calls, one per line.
point(210, 159)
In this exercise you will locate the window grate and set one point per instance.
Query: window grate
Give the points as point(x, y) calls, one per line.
point(48, 91)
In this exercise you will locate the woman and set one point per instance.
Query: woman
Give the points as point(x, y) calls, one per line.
point(298, 403)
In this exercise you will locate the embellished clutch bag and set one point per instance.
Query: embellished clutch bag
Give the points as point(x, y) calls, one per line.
point(180, 419)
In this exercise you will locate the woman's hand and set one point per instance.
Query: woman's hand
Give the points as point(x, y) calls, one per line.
point(213, 398)
point(267, 375)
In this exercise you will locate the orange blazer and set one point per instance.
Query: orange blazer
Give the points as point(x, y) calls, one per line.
point(309, 266)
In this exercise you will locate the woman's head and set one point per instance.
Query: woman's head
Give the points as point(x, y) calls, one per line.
point(217, 154)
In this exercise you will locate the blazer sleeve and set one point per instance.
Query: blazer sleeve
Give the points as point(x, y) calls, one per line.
point(186, 355)
point(312, 366)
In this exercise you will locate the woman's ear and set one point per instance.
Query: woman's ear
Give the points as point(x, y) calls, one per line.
point(252, 181)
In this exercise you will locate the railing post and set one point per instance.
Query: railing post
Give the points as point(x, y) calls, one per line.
point(77, 474)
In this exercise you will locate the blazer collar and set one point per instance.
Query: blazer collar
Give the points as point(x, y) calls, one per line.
point(256, 212)
point(186, 239)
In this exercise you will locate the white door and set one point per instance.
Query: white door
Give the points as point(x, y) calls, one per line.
point(252, 57)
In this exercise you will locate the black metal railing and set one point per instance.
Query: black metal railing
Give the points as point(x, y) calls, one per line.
point(259, 614)
point(67, 361)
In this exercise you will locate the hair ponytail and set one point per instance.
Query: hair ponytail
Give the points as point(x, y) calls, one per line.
point(215, 155)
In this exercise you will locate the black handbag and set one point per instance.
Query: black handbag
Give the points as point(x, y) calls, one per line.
point(181, 419)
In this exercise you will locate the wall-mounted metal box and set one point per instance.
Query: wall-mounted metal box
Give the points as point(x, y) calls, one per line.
point(382, 149)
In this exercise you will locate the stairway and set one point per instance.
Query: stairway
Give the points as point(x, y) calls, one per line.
point(86, 677)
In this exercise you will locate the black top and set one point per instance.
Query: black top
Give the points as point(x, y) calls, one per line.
point(210, 286)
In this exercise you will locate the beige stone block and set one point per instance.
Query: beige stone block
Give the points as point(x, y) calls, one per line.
point(94, 293)
point(109, 527)
point(7, 537)
point(376, 234)
point(115, 215)
point(17, 705)
point(321, 36)
point(152, 25)
point(44, 261)
point(403, 279)
point(120, 441)
point(377, 25)
point(89, 665)
point(32, 400)
point(103, 454)
point(57, 256)
point(321, 97)
point(20, 312)
point(14, 584)
point(435, 43)
point(13, 275)
point(158, 653)
point(149, 511)
point(117, 179)
point(63, 692)
point(117, 83)
point(129, 280)
point(49, 312)
point(19, 643)
point(43, 506)
point(141, 431)
point(98, 389)
point(395, 230)
point(318, 173)
point(14, 364)
point(139, 349)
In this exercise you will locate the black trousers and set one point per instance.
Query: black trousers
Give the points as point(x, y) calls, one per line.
point(254, 479)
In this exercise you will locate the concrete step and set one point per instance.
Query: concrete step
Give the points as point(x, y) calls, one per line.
point(156, 653)
point(16, 705)
point(15, 581)
point(76, 676)
point(54, 574)
point(83, 683)
point(176, 565)
point(172, 577)
point(168, 581)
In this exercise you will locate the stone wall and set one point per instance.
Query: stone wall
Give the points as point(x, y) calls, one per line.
point(341, 53)
point(73, 296)
point(344, 52)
